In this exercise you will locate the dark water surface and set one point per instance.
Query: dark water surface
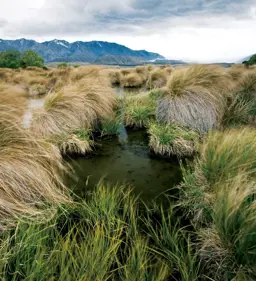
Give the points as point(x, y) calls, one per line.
point(128, 161)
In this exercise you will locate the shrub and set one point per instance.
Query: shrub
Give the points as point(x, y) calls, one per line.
point(10, 59)
point(62, 65)
point(31, 58)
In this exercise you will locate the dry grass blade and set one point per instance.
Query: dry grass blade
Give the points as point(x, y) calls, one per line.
point(195, 97)
point(30, 179)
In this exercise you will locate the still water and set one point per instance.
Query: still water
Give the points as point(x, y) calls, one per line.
point(129, 162)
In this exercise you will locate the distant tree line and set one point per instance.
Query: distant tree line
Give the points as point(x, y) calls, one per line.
point(15, 59)
point(251, 61)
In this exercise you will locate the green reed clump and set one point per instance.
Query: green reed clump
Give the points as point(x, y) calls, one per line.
point(172, 139)
point(138, 111)
point(103, 237)
point(173, 243)
point(110, 127)
point(228, 247)
point(222, 156)
point(242, 105)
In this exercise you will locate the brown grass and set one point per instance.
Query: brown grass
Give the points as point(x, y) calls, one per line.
point(157, 78)
point(13, 97)
point(73, 144)
point(132, 79)
point(195, 97)
point(115, 77)
point(76, 106)
point(30, 177)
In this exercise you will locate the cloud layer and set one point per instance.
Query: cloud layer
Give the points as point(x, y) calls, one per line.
point(200, 30)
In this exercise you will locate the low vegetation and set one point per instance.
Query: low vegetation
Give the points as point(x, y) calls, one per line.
point(31, 173)
point(172, 140)
point(204, 229)
point(195, 97)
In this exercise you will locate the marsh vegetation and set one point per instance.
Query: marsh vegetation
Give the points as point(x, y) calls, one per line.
point(100, 184)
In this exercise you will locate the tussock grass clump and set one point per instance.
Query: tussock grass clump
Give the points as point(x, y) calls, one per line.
point(138, 111)
point(236, 72)
point(158, 78)
point(172, 140)
point(126, 71)
point(247, 85)
point(230, 242)
point(31, 170)
point(223, 155)
point(115, 77)
point(132, 79)
point(76, 106)
point(195, 97)
point(239, 112)
point(241, 109)
point(80, 143)
point(143, 71)
point(37, 90)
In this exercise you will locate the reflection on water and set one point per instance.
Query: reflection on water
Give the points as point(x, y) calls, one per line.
point(34, 103)
point(130, 163)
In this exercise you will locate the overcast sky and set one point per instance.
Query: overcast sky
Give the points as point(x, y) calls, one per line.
point(195, 30)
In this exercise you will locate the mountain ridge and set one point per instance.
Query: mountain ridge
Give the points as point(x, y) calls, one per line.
point(91, 51)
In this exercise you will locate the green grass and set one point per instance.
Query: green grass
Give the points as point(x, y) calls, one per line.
point(231, 238)
point(110, 127)
point(100, 238)
point(223, 155)
point(138, 112)
point(172, 140)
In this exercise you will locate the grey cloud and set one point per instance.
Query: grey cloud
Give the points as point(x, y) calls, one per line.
point(75, 17)
point(3, 22)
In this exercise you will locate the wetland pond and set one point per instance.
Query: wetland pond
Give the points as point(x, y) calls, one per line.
point(127, 162)
point(124, 159)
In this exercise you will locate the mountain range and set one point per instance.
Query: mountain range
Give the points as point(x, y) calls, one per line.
point(91, 52)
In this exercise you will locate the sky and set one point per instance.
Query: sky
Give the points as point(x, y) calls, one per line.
point(191, 30)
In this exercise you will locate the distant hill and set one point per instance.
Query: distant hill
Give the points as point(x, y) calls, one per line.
point(244, 59)
point(92, 52)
